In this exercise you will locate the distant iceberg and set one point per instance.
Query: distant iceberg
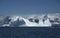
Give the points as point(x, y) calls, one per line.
point(28, 21)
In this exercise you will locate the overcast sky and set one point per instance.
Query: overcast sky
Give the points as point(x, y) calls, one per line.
point(29, 6)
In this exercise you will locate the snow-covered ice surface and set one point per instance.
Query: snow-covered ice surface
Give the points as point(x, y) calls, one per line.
point(48, 20)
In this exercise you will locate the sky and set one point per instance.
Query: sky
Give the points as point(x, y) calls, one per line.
point(9, 7)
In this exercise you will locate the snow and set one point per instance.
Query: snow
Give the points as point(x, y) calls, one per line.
point(28, 23)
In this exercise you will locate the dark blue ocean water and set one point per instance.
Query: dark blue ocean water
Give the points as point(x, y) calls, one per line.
point(29, 32)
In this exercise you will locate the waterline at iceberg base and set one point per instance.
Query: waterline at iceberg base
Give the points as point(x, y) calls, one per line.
point(47, 20)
